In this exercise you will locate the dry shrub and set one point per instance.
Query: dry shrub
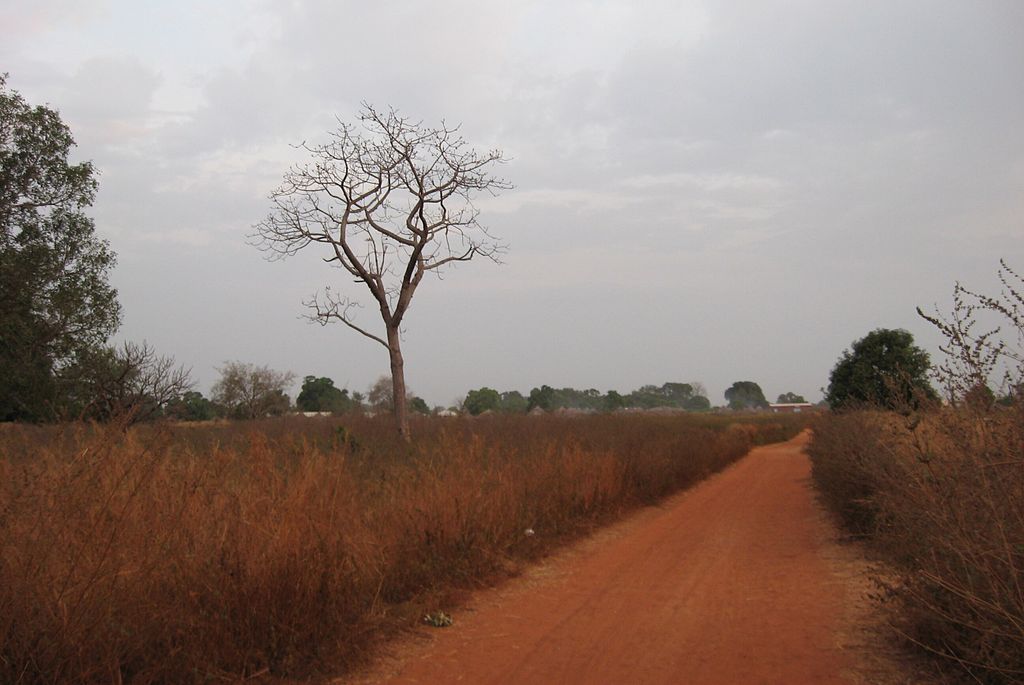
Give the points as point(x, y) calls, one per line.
point(288, 547)
point(940, 497)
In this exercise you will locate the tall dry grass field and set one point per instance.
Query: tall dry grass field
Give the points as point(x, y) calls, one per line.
point(939, 497)
point(289, 547)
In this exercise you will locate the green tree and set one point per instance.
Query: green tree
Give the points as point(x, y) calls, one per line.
point(479, 401)
point(614, 401)
point(688, 396)
point(790, 398)
point(543, 397)
point(513, 402)
point(55, 299)
point(358, 399)
point(320, 394)
point(418, 405)
point(883, 368)
point(697, 403)
point(745, 395)
point(192, 406)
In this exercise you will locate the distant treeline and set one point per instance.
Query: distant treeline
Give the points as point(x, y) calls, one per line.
point(682, 396)
point(322, 396)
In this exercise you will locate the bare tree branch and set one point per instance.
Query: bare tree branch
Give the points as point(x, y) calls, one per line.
point(390, 200)
point(336, 309)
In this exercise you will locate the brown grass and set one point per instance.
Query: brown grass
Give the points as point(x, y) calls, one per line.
point(289, 547)
point(940, 498)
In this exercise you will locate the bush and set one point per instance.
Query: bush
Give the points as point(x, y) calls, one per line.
point(940, 498)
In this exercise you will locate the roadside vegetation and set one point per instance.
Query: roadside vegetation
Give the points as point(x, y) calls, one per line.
point(290, 546)
point(937, 490)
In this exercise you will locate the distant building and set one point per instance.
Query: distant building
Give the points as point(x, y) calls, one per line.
point(790, 407)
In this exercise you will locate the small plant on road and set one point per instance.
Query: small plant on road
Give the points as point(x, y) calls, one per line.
point(438, 619)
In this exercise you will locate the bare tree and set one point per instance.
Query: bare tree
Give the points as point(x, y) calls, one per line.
point(388, 201)
point(984, 339)
point(132, 383)
point(250, 391)
point(381, 395)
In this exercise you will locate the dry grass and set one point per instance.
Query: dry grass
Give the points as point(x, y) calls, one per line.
point(940, 498)
point(289, 547)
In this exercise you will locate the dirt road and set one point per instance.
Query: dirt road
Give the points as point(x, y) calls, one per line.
point(730, 582)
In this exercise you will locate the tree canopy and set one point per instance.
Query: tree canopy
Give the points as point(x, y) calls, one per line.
point(248, 391)
point(790, 398)
point(487, 399)
point(320, 394)
point(672, 395)
point(745, 395)
point(192, 406)
point(883, 368)
point(55, 300)
point(482, 400)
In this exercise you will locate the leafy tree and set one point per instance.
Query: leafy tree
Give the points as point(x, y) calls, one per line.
point(192, 406)
point(418, 405)
point(513, 402)
point(884, 368)
point(682, 396)
point(248, 391)
point(645, 397)
point(697, 403)
point(745, 395)
point(675, 395)
point(389, 203)
point(613, 401)
point(55, 299)
point(319, 394)
point(790, 398)
point(358, 399)
point(543, 397)
point(479, 401)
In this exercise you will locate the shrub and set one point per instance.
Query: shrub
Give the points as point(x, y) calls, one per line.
point(940, 498)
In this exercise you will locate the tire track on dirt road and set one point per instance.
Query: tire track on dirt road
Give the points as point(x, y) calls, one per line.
point(729, 582)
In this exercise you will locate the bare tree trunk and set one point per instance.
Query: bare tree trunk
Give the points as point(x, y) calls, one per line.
point(398, 384)
point(390, 200)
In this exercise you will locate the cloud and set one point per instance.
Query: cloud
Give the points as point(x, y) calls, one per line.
point(706, 182)
point(677, 153)
point(24, 22)
point(575, 200)
point(110, 100)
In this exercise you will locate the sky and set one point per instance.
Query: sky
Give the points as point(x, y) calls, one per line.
point(704, 191)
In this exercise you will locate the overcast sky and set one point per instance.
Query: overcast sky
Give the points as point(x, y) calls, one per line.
point(710, 191)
